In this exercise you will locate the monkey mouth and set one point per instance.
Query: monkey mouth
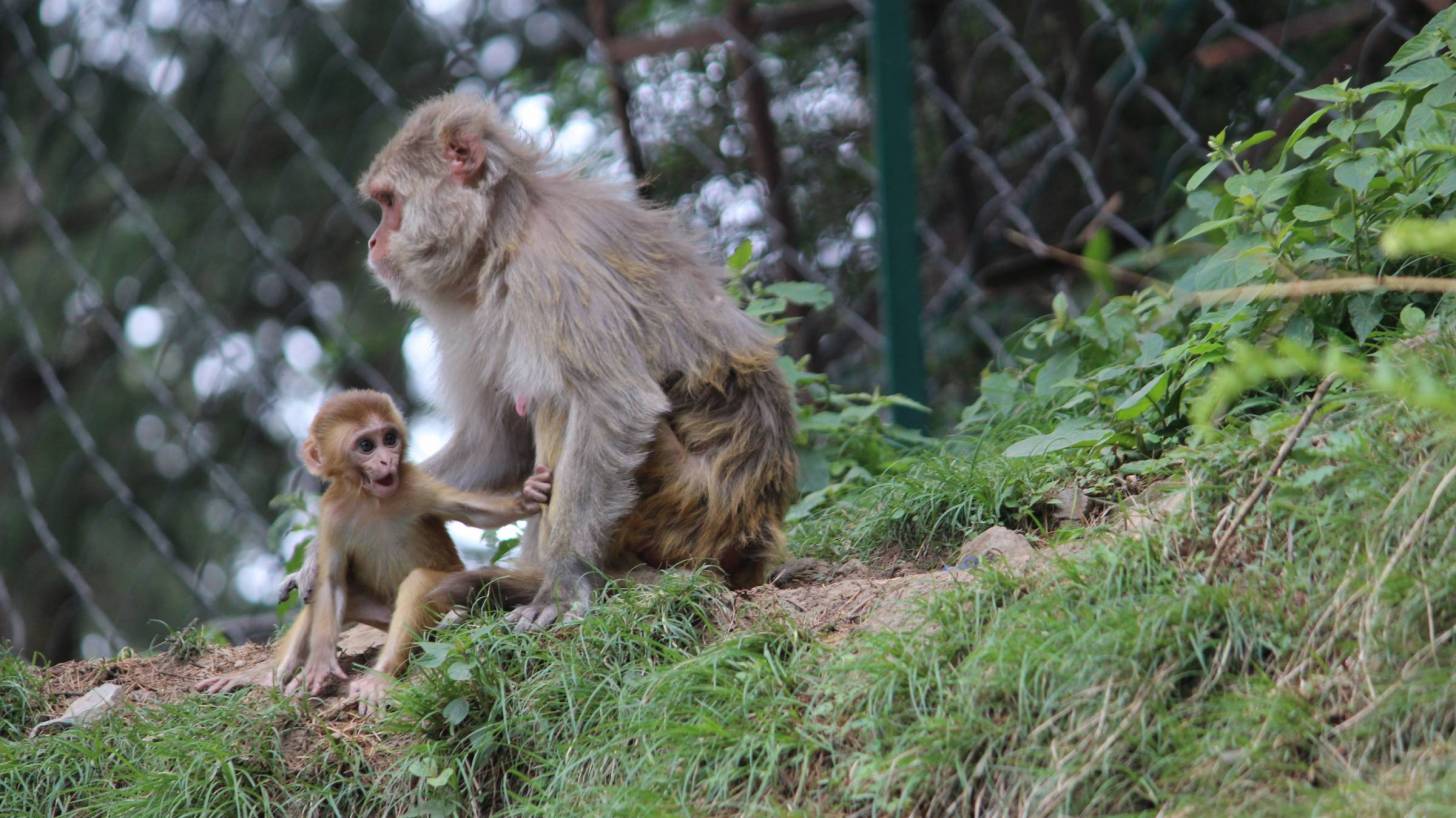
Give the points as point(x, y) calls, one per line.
point(382, 486)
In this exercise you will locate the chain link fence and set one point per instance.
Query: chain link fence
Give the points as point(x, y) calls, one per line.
point(181, 275)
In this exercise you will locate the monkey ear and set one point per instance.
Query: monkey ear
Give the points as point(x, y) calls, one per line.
point(312, 459)
point(465, 154)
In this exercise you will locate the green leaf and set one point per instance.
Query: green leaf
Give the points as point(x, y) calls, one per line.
point(766, 307)
point(1342, 129)
point(458, 671)
point(435, 654)
point(1058, 368)
point(1141, 401)
point(1325, 93)
point(1323, 253)
point(1306, 147)
point(1413, 318)
point(1422, 74)
point(1425, 44)
point(741, 256)
point(1356, 175)
point(1387, 115)
point(443, 778)
point(1057, 440)
point(1313, 213)
point(1257, 139)
point(1296, 137)
point(1000, 390)
point(813, 470)
point(1420, 237)
point(1443, 94)
point(1423, 123)
point(1208, 227)
point(1201, 175)
point(807, 293)
point(1344, 226)
point(456, 711)
point(1365, 314)
point(504, 546)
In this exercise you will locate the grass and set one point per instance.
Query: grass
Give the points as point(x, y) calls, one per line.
point(1311, 675)
point(198, 757)
point(1134, 677)
point(22, 700)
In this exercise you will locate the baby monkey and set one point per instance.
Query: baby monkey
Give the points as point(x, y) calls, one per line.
point(382, 550)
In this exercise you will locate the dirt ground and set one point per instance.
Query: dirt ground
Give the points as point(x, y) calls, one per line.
point(832, 600)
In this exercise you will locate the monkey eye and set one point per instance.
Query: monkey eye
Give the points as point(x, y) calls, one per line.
point(390, 438)
point(385, 198)
point(365, 445)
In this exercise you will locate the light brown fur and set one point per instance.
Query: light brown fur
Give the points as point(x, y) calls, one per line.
point(382, 550)
point(654, 397)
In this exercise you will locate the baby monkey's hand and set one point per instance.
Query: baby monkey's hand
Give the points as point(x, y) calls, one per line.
point(537, 490)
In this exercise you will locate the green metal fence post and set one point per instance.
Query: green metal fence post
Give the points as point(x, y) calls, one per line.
point(899, 251)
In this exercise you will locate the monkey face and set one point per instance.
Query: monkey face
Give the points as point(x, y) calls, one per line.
point(376, 451)
point(441, 185)
point(391, 216)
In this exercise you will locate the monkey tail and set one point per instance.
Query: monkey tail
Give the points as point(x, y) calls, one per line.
point(502, 588)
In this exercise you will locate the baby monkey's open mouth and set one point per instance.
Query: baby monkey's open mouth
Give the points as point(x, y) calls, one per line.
point(383, 486)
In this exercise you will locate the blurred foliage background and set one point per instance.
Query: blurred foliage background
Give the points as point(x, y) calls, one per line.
point(181, 250)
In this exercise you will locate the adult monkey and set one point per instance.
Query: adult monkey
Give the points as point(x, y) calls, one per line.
point(580, 328)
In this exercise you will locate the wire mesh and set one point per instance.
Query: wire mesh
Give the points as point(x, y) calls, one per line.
point(181, 274)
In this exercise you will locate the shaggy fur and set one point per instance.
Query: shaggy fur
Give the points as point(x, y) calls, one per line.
point(653, 397)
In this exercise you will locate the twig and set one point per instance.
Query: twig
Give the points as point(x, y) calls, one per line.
point(1268, 479)
point(1067, 257)
point(1324, 286)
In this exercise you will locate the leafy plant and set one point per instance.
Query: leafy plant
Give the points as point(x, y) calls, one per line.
point(1123, 376)
point(843, 438)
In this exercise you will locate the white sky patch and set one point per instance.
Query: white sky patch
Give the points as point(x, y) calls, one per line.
point(512, 9)
point(256, 576)
point(577, 137)
point(326, 300)
point(150, 432)
point(533, 114)
point(448, 11)
point(54, 12)
point(420, 360)
point(162, 14)
point(62, 61)
point(144, 326)
point(301, 349)
point(165, 75)
point(499, 55)
point(219, 370)
point(428, 432)
point(543, 29)
point(863, 226)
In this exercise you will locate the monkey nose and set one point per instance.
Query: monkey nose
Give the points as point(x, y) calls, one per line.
point(372, 241)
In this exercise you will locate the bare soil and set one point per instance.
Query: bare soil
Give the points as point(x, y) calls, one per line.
point(831, 600)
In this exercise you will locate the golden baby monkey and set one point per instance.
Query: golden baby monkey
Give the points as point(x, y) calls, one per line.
point(381, 549)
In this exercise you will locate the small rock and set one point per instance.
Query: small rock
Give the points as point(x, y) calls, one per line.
point(1070, 504)
point(97, 702)
point(360, 639)
point(997, 542)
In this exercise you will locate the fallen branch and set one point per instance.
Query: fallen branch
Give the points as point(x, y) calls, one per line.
point(1326, 286)
point(1268, 480)
point(1067, 257)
